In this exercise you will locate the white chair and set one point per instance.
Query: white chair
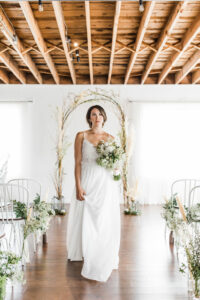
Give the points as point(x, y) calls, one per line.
point(194, 199)
point(182, 188)
point(34, 188)
point(10, 223)
point(3, 169)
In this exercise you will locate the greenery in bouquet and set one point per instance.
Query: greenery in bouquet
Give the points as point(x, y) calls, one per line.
point(171, 214)
point(110, 154)
point(10, 268)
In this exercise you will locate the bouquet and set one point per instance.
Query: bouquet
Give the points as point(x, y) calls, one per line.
point(110, 154)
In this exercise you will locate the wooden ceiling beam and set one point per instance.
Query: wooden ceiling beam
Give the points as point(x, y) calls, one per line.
point(196, 77)
point(114, 37)
point(4, 77)
point(120, 50)
point(149, 46)
point(173, 47)
point(8, 30)
point(57, 6)
point(140, 35)
point(163, 38)
point(127, 47)
point(100, 47)
point(12, 66)
point(187, 39)
point(87, 15)
point(33, 25)
point(188, 66)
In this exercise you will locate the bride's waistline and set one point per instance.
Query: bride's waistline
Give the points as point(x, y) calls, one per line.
point(89, 163)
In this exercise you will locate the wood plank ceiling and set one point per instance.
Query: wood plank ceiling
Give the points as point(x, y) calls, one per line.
point(117, 44)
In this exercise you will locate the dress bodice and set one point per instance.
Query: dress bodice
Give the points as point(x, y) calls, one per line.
point(89, 154)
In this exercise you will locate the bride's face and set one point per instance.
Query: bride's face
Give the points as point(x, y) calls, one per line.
point(96, 118)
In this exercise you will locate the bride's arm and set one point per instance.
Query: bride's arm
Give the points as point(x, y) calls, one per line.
point(78, 157)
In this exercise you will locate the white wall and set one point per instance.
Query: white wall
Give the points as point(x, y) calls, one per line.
point(39, 137)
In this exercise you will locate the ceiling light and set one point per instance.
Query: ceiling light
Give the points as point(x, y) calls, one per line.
point(68, 39)
point(141, 6)
point(75, 44)
point(77, 55)
point(40, 6)
point(15, 39)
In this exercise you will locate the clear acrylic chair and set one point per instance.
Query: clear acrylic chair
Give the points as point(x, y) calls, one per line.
point(33, 186)
point(10, 223)
point(182, 188)
point(194, 199)
point(34, 189)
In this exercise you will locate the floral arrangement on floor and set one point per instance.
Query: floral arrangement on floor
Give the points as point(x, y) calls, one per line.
point(126, 140)
point(133, 205)
point(192, 251)
point(180, 220)
point(10, 268)
point(110, 156)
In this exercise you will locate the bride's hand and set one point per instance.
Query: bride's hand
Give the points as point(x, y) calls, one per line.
point(80, 194)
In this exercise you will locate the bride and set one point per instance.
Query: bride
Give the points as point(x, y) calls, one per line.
point(93, 230)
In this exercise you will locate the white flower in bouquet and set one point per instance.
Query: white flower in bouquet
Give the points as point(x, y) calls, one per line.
point(110, 154)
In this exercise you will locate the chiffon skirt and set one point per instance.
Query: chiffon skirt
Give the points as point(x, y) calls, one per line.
point(93, 230)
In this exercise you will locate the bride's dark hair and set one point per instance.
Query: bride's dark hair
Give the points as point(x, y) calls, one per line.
point(102, 111)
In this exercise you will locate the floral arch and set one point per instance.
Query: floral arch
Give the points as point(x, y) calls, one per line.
point(63, 113)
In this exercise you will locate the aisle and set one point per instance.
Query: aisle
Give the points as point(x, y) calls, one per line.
point(148, 268)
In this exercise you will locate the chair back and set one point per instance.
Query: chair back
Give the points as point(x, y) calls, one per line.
point(9, 193)
point(194, 196)
point(182, 188)
point(33, 186)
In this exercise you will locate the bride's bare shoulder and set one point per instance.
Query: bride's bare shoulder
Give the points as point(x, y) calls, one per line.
point(109, 136)
point(80, 134)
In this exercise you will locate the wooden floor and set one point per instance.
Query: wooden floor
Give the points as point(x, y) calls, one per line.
point(148, 268)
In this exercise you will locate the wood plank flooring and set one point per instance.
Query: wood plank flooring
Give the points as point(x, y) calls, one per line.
point(148, 268)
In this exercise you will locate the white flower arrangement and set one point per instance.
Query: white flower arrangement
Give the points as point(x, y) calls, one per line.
point(192, 252)
point(10, 268)
point(110, 154)
point(40, 220)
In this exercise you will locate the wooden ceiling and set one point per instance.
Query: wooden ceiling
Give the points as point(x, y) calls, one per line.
point(117, 43)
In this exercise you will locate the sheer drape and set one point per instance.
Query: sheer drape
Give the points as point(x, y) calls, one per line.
point(167, 146)
point(15, 138)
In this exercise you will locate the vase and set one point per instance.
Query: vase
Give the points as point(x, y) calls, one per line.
point(190, 282)
point(196, 290)
point(58, 203)
point(2, 287)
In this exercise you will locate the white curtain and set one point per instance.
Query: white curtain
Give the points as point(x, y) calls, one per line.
point(167, 147)
point(14, 138)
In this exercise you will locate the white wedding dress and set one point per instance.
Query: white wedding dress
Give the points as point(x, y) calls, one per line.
point(93, 230)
